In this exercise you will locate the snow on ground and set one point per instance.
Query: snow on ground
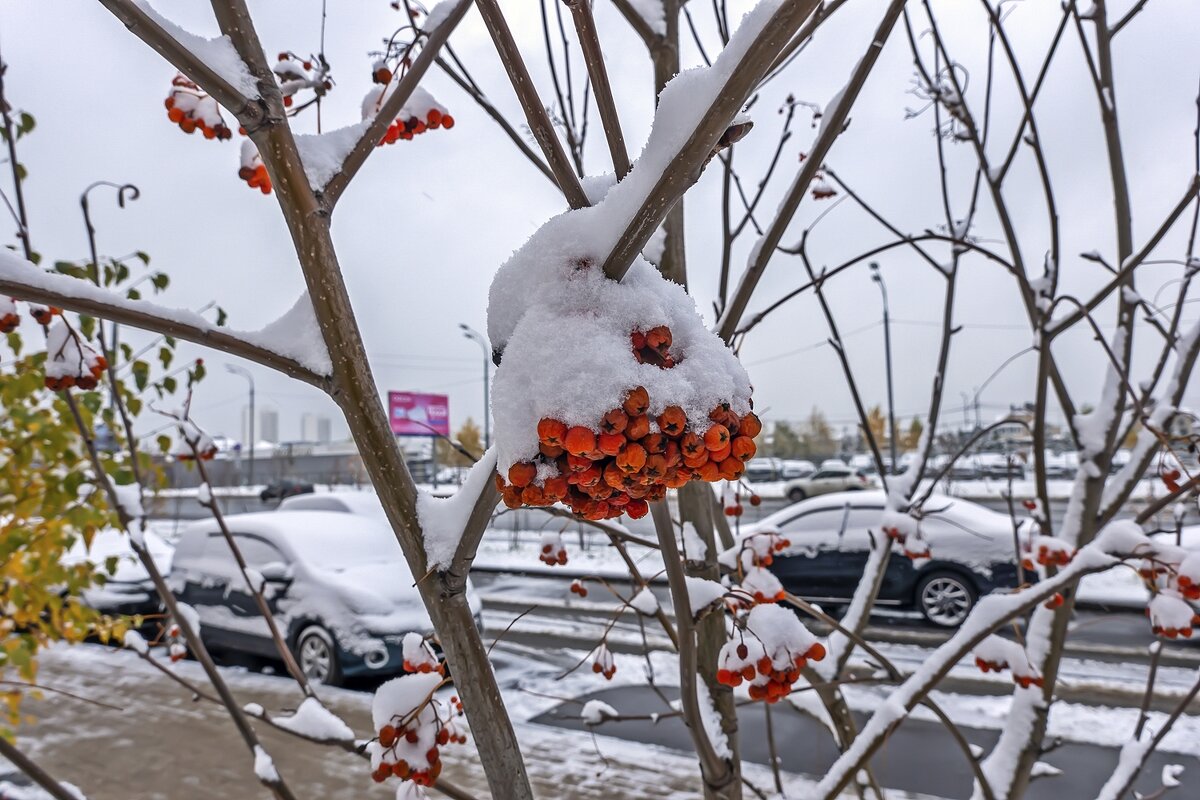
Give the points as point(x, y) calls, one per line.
point(160, 723)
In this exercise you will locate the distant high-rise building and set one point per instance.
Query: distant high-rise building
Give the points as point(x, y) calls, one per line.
point(315, 428)
point(266, 429)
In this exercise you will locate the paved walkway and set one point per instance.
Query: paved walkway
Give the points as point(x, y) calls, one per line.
point(164, 746)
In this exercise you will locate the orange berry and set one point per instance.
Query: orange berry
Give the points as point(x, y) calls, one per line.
point(638, 427)
point(610, 443)
point(447, 121)
point(716, 437)
point(614, 421)
point(551, 432)
point(632, 458)
point(637, 403)
point(579, 441)
point(744, 448)
point(522, 473)
point(672, 421)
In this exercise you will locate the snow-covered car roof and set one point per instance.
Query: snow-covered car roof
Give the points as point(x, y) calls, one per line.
point(353, 502)
point(112, 542)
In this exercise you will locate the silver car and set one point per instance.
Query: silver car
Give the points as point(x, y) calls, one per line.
point(828, 479)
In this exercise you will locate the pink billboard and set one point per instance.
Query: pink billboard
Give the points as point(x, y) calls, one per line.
point(417, 414)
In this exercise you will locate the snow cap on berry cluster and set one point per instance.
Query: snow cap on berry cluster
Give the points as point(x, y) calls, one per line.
point(67, 355)
point(405, 703)
point(1188, 576)
point(1171, 615)
point(418, 657)
point(569, 356)
point(418, 104)
point(782, 634)
point(996, 653)
point(564, 327)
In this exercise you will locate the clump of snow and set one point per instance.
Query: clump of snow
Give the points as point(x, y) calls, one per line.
point(296, 335)
point(781, 632)
point(439, 14)
point(400, 697)
point(264, 766)
point(323, 153)
point(702, 593)
point(596, 711)
point(694, 548)
point(204, 495)
point(135, 642)
point(190, 616)
point(129, 497)
point(712, 721)
point(314, 721)
point(652, 13)
point(444, 519)
point(644, 602)
point(218, 53)
point(1170, 615)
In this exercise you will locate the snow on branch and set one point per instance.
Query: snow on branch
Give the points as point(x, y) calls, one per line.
point(695, 110)
point(212, 63)
point(443, 520)
point(439, 25)
point(289, 345)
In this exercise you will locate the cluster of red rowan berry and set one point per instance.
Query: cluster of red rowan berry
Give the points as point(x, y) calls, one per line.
point(192, 109)
point(410, 746)
point(603, 662)
point(623, 466)
point(757, 583)
point(996, 654)
point(295, 74)
point(9, 318)
point(653, 347)
point(1046, 551)
point(914, 548)
point(578, 588)
point(1171, 616)
point(407, 128)
point(69, 360)
point(419, 656)
point(770, 676)
point(553, 551)
point(253, 171)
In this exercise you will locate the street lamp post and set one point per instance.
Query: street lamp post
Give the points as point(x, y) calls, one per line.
point(471, 333)
point(236, 370)
point(887, 348)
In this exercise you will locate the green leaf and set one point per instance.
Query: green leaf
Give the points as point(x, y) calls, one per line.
point(141, 374)
point(22, 173)
point(26, 124)
point(144, 256)
point(87, 325)
point(134, 294)
point(160, 280)
point(170, 384)
point(164, 443)
point(165, 355)
point(221, 317)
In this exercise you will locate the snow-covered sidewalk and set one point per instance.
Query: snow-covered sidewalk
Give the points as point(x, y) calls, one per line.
point(164, 746)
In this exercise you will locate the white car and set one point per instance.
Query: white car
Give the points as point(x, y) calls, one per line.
point(833, 476)
point(129, 589)
point(337, 585)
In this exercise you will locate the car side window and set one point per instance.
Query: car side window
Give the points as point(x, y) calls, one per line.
point(826, 521)
point(819, 474)
point(258, 552)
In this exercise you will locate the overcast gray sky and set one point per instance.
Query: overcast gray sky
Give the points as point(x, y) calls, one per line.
point(427, 222)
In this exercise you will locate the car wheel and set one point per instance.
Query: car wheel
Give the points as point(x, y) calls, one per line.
point(317, 656)
point(796, 495)
point(945, 599)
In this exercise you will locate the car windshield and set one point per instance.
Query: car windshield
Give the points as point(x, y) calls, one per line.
point(343, 546)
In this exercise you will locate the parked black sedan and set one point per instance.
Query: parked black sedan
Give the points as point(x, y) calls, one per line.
point(971, 554)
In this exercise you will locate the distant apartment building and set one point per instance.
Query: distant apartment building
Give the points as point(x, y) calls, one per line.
point(315, 428)
point(267, 427)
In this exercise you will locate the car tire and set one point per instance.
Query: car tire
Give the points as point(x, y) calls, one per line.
point(945, 598)
point(317, 656)
point(796, 495)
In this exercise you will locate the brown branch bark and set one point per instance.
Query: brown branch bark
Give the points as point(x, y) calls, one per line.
point(834, 121)
point(535, 112)
point(391, 107)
